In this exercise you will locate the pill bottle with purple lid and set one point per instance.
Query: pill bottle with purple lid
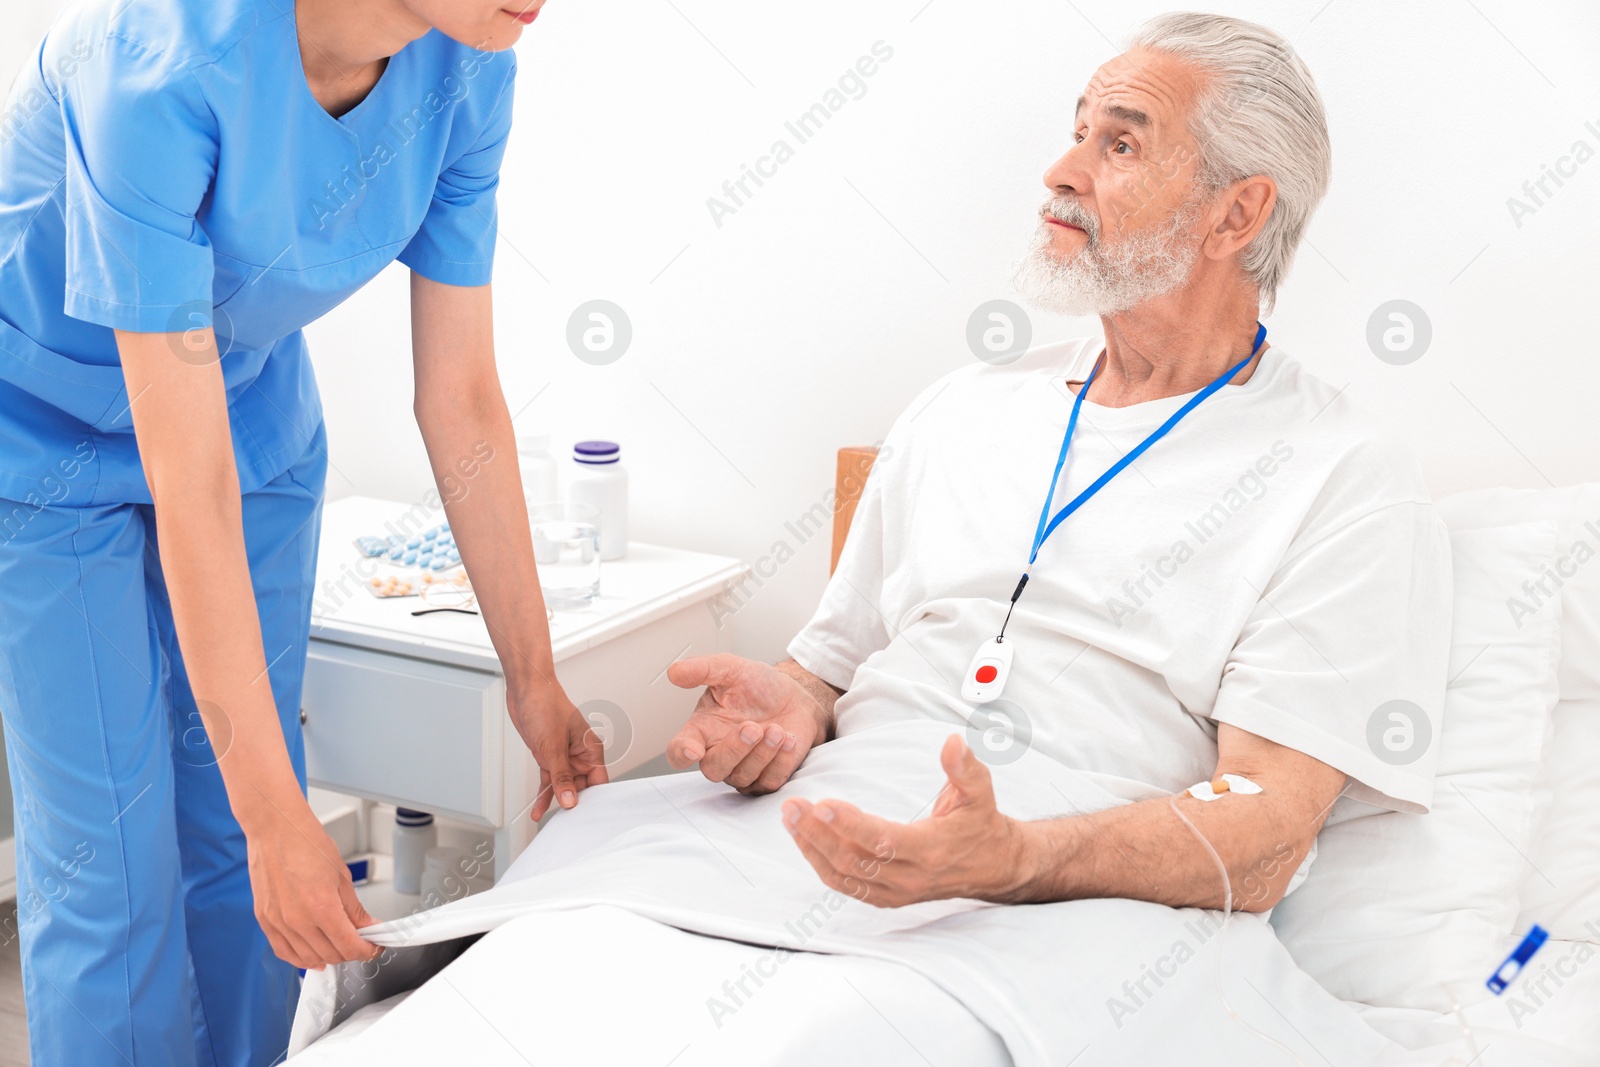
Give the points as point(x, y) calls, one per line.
point(600, 481)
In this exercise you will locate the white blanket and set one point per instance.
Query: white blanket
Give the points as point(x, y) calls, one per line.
point(1106, 981)
point(585, 987)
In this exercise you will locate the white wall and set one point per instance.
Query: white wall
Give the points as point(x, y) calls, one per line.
point(808, 319)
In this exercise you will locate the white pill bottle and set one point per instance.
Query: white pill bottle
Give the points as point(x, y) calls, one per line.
point(414, 835)
point(600, 481)
point(538, 468)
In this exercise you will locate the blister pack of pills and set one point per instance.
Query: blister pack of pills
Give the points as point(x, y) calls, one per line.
point(391, 585)
point(446, 588)
point(431, 550)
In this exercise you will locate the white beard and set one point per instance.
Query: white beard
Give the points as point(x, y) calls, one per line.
point(1107, 279)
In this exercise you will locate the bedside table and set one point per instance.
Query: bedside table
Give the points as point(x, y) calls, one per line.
point(412, 710)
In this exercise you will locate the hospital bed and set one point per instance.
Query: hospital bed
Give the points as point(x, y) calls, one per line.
point(570, 961)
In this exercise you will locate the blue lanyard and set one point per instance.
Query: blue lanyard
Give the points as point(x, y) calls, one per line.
point(1047, 525)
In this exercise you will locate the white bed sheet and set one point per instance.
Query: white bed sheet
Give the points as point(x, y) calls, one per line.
point(697, 857)
point(1549, 1015)
point(600, 985)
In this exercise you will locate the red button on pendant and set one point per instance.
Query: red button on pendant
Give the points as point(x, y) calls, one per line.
point(986, 674)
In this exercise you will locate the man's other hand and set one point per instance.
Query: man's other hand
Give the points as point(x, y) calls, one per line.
point(752, 727)
point(965, 848)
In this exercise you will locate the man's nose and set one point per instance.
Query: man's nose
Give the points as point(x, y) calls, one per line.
point(1067, 174)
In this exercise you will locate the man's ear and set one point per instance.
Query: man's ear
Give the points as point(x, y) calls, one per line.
point(1246, 206)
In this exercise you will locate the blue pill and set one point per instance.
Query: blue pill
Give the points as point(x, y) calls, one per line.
point(410, 558)
point(440, 563)
point(426, 560)
point(455, 557)
point(415, 542)
point(395, 553)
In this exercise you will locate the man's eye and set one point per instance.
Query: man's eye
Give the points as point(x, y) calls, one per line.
point(1120, 145)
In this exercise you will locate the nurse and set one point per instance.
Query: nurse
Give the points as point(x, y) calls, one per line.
point(184, 185)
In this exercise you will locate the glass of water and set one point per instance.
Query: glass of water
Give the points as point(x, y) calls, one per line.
point(566, 546)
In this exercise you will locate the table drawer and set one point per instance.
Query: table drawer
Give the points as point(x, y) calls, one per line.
point(407, 731)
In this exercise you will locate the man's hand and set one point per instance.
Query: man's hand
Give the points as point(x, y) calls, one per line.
point(966, 848)
point(753, 726)
point(570, 754)
point(1163, 849)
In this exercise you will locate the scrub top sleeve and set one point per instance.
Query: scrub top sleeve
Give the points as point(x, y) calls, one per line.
point(455, 244)
point(1348, 623)
point(141, 152)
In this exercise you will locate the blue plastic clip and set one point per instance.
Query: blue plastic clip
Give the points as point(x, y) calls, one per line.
point(1505, 973)
point(359, 870)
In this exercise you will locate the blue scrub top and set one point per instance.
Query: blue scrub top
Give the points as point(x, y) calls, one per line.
point(164, 167)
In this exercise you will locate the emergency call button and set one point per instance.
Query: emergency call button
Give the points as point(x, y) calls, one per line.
point(986, 675)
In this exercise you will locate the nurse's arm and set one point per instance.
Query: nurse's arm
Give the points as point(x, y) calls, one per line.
point(303, 895)
point(1165, 849)
point(466, 428)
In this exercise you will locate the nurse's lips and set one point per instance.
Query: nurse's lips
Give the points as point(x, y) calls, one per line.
point(523, 17)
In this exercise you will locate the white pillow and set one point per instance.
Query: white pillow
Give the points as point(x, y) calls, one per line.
point(1397, 905)
point(1576, 512)
point(1562, 892)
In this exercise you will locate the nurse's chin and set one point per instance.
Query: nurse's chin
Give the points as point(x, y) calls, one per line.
point(486, 25)
point(503, 35)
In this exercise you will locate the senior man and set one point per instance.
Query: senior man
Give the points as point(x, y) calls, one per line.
point(1245, 575)
point(1234, 607)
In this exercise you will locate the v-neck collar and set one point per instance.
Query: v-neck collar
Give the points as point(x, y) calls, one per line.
point(303, 85)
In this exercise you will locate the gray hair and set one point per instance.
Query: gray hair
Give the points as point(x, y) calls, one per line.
point(1258, 113)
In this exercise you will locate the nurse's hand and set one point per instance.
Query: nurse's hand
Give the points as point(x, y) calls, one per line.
point(305, 901)
point(753, 726)
point(570, 754)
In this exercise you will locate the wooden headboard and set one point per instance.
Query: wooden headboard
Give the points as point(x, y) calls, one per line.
point(849, 479)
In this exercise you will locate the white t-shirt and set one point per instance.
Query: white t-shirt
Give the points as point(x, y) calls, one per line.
point(1273, 563)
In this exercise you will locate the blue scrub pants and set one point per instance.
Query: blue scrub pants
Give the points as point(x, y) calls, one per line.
point(139, 938)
